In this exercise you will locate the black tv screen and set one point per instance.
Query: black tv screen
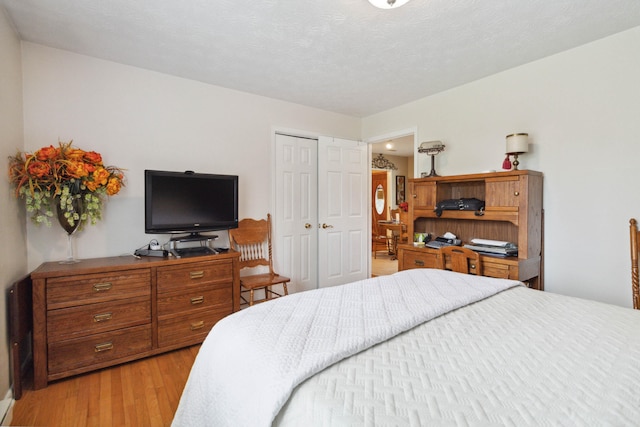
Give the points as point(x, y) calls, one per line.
point(189, 202)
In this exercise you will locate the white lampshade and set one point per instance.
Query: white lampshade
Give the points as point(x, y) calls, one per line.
point(517, 143)
point(388, 4)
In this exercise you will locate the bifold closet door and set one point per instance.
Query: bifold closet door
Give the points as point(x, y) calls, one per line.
point(320, 218)
point(295, 220)
point(343, 190)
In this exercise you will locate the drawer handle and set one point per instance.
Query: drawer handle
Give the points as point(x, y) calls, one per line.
point(197, 325)
point(102, 317)
point(419, 262)
point(197, 274)
point(197, 300)
point(104, 347)
point(100, 287)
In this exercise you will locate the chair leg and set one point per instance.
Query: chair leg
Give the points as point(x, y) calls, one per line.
point(286, 292)
point(250, 297)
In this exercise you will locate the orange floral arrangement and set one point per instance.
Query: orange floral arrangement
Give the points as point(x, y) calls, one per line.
point(75, 179)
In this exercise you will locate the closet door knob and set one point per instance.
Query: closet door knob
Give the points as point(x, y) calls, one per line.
point(307, 226)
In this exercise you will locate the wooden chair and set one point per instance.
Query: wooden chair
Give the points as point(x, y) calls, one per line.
point(252, 239)
point(404, 217)
point(462, 260)
point(635, 237)
point(378, 238)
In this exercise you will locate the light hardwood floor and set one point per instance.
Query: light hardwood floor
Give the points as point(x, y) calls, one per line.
point(141, 393)
point(383, 265)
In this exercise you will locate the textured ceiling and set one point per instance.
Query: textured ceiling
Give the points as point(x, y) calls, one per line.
point(401, 146)
point(338, 55)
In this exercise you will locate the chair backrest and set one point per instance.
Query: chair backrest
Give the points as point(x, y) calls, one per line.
point(252, 239)
point(393, 213)
point(404, 218)
point(462, 260)
point(380, 232)
point(635, 238)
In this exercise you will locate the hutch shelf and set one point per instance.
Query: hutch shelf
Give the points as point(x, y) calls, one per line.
point(513, 212)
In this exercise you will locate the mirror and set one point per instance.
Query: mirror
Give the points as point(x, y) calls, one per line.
point(379, 198)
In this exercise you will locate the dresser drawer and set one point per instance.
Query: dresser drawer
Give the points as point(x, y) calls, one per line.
point(207, 297)
point(189, 328)
point(418, 259)
point(178, 277)
point(92, 288)
point(83, 320)
point(78, 353)
point(499, 270)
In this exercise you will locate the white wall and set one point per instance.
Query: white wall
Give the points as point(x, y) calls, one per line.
point(13, 253)
point(138, 119)
point(581, 109)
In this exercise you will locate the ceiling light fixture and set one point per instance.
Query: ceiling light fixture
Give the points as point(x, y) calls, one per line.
point(388, 4)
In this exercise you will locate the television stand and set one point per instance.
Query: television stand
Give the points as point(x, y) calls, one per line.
point(194, 237)
point(203, 249)
point(193, 251)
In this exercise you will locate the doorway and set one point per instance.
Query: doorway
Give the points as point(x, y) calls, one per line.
point(397, 150)
point(381, 260)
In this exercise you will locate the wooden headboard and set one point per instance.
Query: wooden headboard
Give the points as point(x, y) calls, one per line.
point(633, 226)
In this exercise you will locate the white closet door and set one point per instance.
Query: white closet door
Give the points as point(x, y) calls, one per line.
point(344, 232)
point(295, 220)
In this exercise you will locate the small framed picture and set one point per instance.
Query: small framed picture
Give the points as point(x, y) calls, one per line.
point(400, 181)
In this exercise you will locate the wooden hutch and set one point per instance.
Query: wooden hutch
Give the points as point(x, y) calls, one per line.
point(513, 213)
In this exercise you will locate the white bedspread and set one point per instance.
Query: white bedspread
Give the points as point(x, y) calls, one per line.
point(252, 360)
point(519, 358)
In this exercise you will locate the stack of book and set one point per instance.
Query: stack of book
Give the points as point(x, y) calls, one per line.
point(493, 247)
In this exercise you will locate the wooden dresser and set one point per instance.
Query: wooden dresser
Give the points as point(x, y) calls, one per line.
point(513, 213)
point(105, 311)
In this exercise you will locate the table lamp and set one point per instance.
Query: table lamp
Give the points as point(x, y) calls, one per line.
point(517, 143)
point(431, 148)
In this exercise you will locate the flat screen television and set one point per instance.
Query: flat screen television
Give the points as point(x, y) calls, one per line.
point(189, 202)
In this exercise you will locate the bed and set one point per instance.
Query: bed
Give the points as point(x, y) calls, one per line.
point(420, 347)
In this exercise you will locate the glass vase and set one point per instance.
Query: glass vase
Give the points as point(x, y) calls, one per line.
point(69, 229)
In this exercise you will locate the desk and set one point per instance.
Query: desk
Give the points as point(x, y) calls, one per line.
point(523, 269)
point(396, 229)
